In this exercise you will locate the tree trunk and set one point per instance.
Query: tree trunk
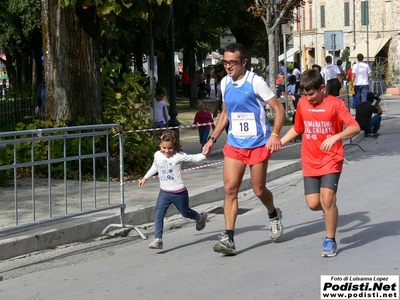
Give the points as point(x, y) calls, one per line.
point(272, 59)
point(72, 63)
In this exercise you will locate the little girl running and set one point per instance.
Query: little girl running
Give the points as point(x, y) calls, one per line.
point(168, 163)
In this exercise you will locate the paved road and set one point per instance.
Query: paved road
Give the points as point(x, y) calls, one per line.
point(187, 268)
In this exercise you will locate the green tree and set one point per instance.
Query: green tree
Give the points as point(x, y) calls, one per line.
point(72, 43)
point(198, 25)
point(20, 38)
point(274, 13)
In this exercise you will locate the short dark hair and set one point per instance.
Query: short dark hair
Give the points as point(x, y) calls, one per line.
point(233, 47)
point(339, 62)
point(316, 66)
point(328, 59)
point(360, 57)
point(311, 79)
point(370, 97)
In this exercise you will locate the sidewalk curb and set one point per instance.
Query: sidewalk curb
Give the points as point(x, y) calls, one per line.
point(84, 228)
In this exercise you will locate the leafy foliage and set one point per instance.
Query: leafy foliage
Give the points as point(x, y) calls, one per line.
point(126, 103)
point(394, 76)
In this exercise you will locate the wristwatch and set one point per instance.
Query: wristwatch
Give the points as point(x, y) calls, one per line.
point(213, 139)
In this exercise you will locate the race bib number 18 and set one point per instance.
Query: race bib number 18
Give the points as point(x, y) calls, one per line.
point(243, 125)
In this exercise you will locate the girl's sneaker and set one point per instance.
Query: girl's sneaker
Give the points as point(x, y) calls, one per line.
point(156, 244)
point(200, 225)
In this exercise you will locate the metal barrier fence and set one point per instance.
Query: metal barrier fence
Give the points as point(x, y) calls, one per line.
point(37, 197)
point(14, 110)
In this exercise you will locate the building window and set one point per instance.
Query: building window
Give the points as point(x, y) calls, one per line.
point(364, 13)
point(322, 16)
point(346, 14)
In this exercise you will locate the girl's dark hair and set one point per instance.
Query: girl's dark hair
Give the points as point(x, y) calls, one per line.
point(169, 135)
point(310, 80)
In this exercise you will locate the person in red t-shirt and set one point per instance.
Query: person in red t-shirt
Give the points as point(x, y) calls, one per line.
point(349, 77)
point(320, 118)
point(186, 83)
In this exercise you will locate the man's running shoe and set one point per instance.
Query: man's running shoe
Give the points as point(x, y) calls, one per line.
point(275, 225)
point(225, 245)
point(156, 244)
point(329, 248)
point(200, 225)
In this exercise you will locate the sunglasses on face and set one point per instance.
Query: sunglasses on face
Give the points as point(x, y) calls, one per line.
point(232, 63)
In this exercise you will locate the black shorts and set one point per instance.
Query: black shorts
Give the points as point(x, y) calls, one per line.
point(313, 185)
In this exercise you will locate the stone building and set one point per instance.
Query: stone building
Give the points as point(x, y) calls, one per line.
point(328, 27)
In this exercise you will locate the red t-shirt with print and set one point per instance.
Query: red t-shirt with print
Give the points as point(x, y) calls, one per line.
point(318, 123)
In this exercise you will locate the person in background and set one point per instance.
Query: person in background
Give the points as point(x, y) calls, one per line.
point(361, 76)
point(280, 93)
point(282, 68)
point(219, 73)
point(41, 101)
point(321, 119)
point(161, 115)
point(317, 67)
point(203, 116)
point(296, 71)
point(168, 164)
point(250, 141)
point(208, 86)
point(349, 77)
point(339, 65)
point(4, 78)
point(364, 112)
point(332, 77)
point(185, 83)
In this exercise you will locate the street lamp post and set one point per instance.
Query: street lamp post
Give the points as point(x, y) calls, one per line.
point(173, 121)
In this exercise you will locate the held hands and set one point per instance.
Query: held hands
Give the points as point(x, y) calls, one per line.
point(207, 148)
point(274, 143)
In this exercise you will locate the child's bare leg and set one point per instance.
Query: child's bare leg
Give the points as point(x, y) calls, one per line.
point(328, 203)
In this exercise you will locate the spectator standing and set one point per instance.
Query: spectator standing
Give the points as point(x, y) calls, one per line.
point(332, 77)
point(349, 77)
point(4, 78)
point(219, 73)
point(282, 68)
point(186, 83)
point(339, 65)
point(296, 71)
point(161, 115)
point(361, 76)
point(280, 93)
point(208, 85)
point(201, 84)
point(41, 101)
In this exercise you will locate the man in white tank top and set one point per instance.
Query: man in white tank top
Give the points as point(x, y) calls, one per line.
point(250, 141)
